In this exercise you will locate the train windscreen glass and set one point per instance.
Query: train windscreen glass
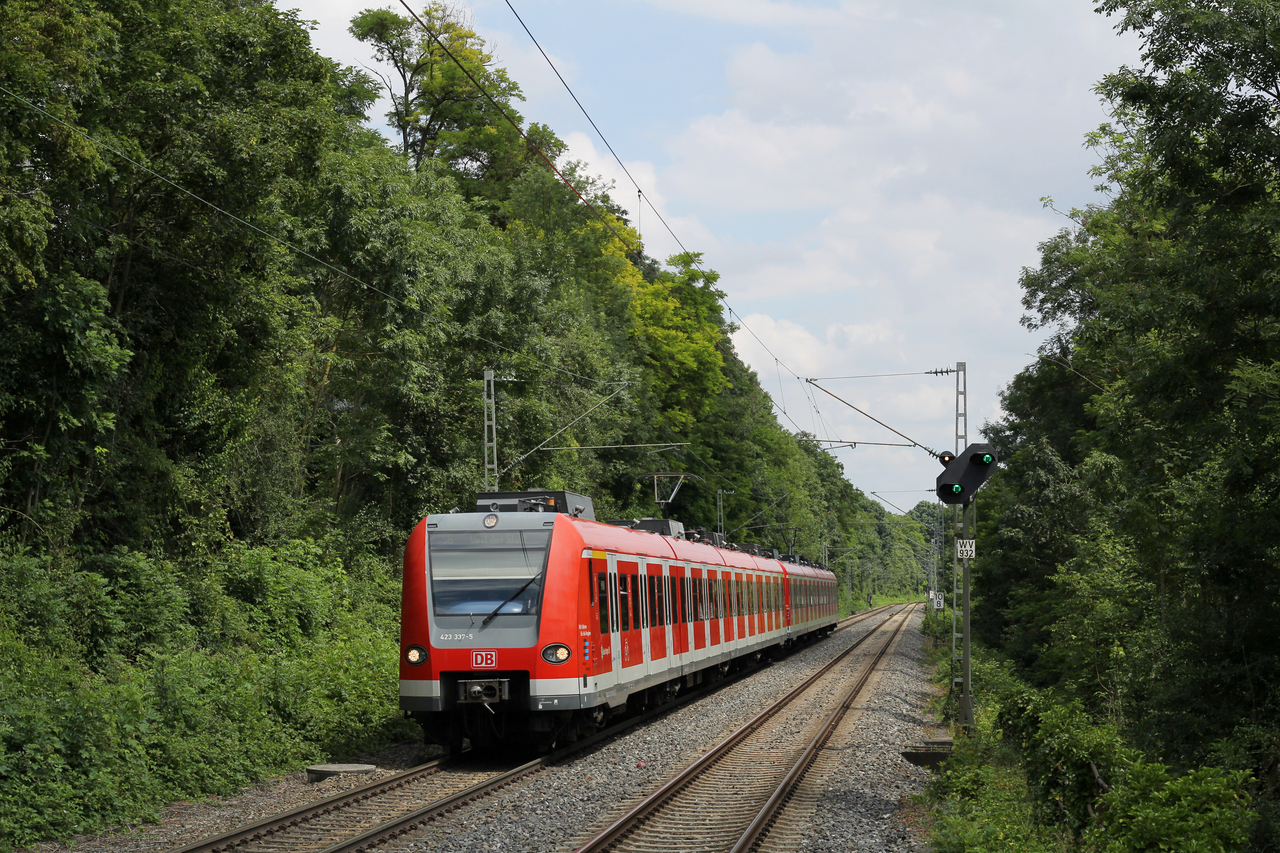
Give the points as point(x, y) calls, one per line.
point(473, 571)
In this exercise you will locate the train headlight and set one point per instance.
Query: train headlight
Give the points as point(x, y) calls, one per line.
point(415, 655)
point(556, 653)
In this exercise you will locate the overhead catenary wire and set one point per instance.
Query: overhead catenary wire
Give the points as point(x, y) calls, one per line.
point(599, 133)
point(914, 443)
point(529, 453)
point(516, 125)
point(778, 363)
point(942, 371)
point(640, 194)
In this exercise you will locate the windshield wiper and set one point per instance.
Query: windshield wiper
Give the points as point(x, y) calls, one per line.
point(511, 598)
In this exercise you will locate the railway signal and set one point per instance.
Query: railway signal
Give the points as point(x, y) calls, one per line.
point(965, 473)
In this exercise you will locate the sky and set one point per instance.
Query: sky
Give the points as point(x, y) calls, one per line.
point(866, 176)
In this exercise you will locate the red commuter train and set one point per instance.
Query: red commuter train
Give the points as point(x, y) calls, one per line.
point(526, 622)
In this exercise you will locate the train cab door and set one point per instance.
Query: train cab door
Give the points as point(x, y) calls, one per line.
point(610, 639)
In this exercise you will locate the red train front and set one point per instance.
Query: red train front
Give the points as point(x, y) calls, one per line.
point(526, 622)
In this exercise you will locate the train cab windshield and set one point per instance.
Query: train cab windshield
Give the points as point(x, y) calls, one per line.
point(474, 571)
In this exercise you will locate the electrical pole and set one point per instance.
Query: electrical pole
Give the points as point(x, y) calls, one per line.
point(960, 574)
point(490, 435)
point(720, 493)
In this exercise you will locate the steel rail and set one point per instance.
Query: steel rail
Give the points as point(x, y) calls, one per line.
point(773, 806)
point(651, 804)
point(284, 821)
point(294, 818)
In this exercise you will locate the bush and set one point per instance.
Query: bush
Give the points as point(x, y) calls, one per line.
point(984, 804)
point(1064, 752)
point(1205, 811)
point(128, 681)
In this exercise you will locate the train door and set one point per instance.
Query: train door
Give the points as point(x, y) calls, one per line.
point(786, 602)
point(610, 666)
point(594, 627)
point(775, 602)
point(657, 610)
point(714, 613)
point(731, 630)
point(629, 606)
point(697, 585)
point(762, 620)
point(677, 575)
point(770, 611)
point(753, 606)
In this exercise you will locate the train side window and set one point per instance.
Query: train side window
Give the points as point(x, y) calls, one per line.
point(603, 598)
point(664, 601)
point(635, 600)
point(651, 583)
point(624, 601)
point(613, 602)
point(671, 588)
point(660, 599)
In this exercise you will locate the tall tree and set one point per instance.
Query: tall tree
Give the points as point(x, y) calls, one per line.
point(448, 97)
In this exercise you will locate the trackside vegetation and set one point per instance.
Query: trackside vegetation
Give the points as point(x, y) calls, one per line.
point(242, 342)
point(1039, 773)
point(1128, 581)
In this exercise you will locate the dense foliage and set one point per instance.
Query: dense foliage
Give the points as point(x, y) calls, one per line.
point(241, 354)
point(1039, 773)
point(1135, 521)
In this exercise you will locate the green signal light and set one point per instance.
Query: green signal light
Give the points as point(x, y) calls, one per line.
point(986, 458)
point(957, 489)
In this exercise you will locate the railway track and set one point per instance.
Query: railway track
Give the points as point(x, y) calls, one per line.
point(728, 799)
point(367, 817)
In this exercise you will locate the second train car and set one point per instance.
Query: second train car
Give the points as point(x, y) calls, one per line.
point(527, 622)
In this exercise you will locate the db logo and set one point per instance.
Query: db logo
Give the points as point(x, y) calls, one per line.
point(484, 659)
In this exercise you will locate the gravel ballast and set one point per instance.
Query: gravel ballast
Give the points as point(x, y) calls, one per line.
point(561, 807)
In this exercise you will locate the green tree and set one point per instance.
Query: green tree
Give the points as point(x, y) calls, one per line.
point(448, 98)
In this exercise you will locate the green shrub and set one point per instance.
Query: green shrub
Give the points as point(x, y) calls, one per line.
point(1064, 752)
point(72, 746)
point(983, 804)
point(1205, 811)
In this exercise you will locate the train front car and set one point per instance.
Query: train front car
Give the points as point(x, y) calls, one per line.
point(488, 621)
